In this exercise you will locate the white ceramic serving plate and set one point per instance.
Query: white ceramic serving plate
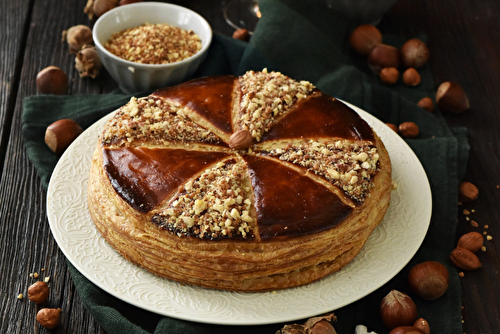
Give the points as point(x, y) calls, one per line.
point(135, 77)
point(388, 249)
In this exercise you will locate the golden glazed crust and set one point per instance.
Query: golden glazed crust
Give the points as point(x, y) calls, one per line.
point(224, 219)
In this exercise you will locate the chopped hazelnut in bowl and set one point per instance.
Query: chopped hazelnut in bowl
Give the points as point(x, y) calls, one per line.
point(149, 45)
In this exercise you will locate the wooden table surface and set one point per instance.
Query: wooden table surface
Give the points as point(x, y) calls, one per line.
point(464, 39)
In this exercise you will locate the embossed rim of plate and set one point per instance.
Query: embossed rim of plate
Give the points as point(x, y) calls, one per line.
point(388, 249)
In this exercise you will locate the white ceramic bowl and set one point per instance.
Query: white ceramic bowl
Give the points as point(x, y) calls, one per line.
point(135, 77)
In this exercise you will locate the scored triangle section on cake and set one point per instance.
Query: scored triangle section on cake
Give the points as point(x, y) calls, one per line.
point(320, 116)
point(290, 203)
point(155, 121)
point(215, 205)
point(209, 97)
point(339, 145)
point(265, 97)
point(350, 166)
point(145, 177)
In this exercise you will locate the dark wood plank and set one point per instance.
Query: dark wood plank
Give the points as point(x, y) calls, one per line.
point(31, 247)
point(12, 40)
point(463, 41)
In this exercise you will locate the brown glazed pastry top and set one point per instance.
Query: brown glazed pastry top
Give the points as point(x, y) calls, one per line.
point(310, 165)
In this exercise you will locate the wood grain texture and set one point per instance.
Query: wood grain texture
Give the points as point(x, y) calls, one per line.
point(462, 37)
point(462, 41)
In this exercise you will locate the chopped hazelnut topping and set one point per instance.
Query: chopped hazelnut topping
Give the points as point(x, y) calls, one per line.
point(154, 44)
point(267, 96)
point(346, 165)
point(155, 120)
point(218, 203)
point(215, 205)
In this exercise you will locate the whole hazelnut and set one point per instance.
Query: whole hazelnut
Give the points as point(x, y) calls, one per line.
point(242, 35)
point(60, 134)
point(38, 292)
point(423, 325)
point(414, 53)
point(389, 75)
point(52, 80)
point(411, 77)
point(467, 192)
point(99, 7)
point(406, 330)
point(409, 130)
point(49, 317)
point(87, 62)
point(323, 327)
point(451, 97)
point(429, 279)
point(381, 56)
point(364, 38)
point(398, 309)
point(77, 36)
point(240, 140)
point(426, 103)
point(472, 241)
point(392, 127)
point(127, 2)
point(464, 259)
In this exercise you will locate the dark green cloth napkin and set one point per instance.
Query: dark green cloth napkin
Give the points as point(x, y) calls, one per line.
point(304, 41)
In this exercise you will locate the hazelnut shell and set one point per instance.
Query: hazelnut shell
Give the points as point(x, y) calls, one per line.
point(77, 36)
point(406, 330)
point(100, 7)
point(364, 38)
point(87, 62)
point(414, 53)
point(398, 309)
point(429, 279)
point(60, 134)
point(127, 2)
point(423, 325)
point(52, 80)
point(322, 327)
point(451, 97)
point(382, 56)
point(240, 140)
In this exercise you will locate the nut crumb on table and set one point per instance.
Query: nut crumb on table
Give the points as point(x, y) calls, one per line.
point(154, 44)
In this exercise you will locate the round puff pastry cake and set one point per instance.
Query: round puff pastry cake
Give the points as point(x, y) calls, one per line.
point(249, 183)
